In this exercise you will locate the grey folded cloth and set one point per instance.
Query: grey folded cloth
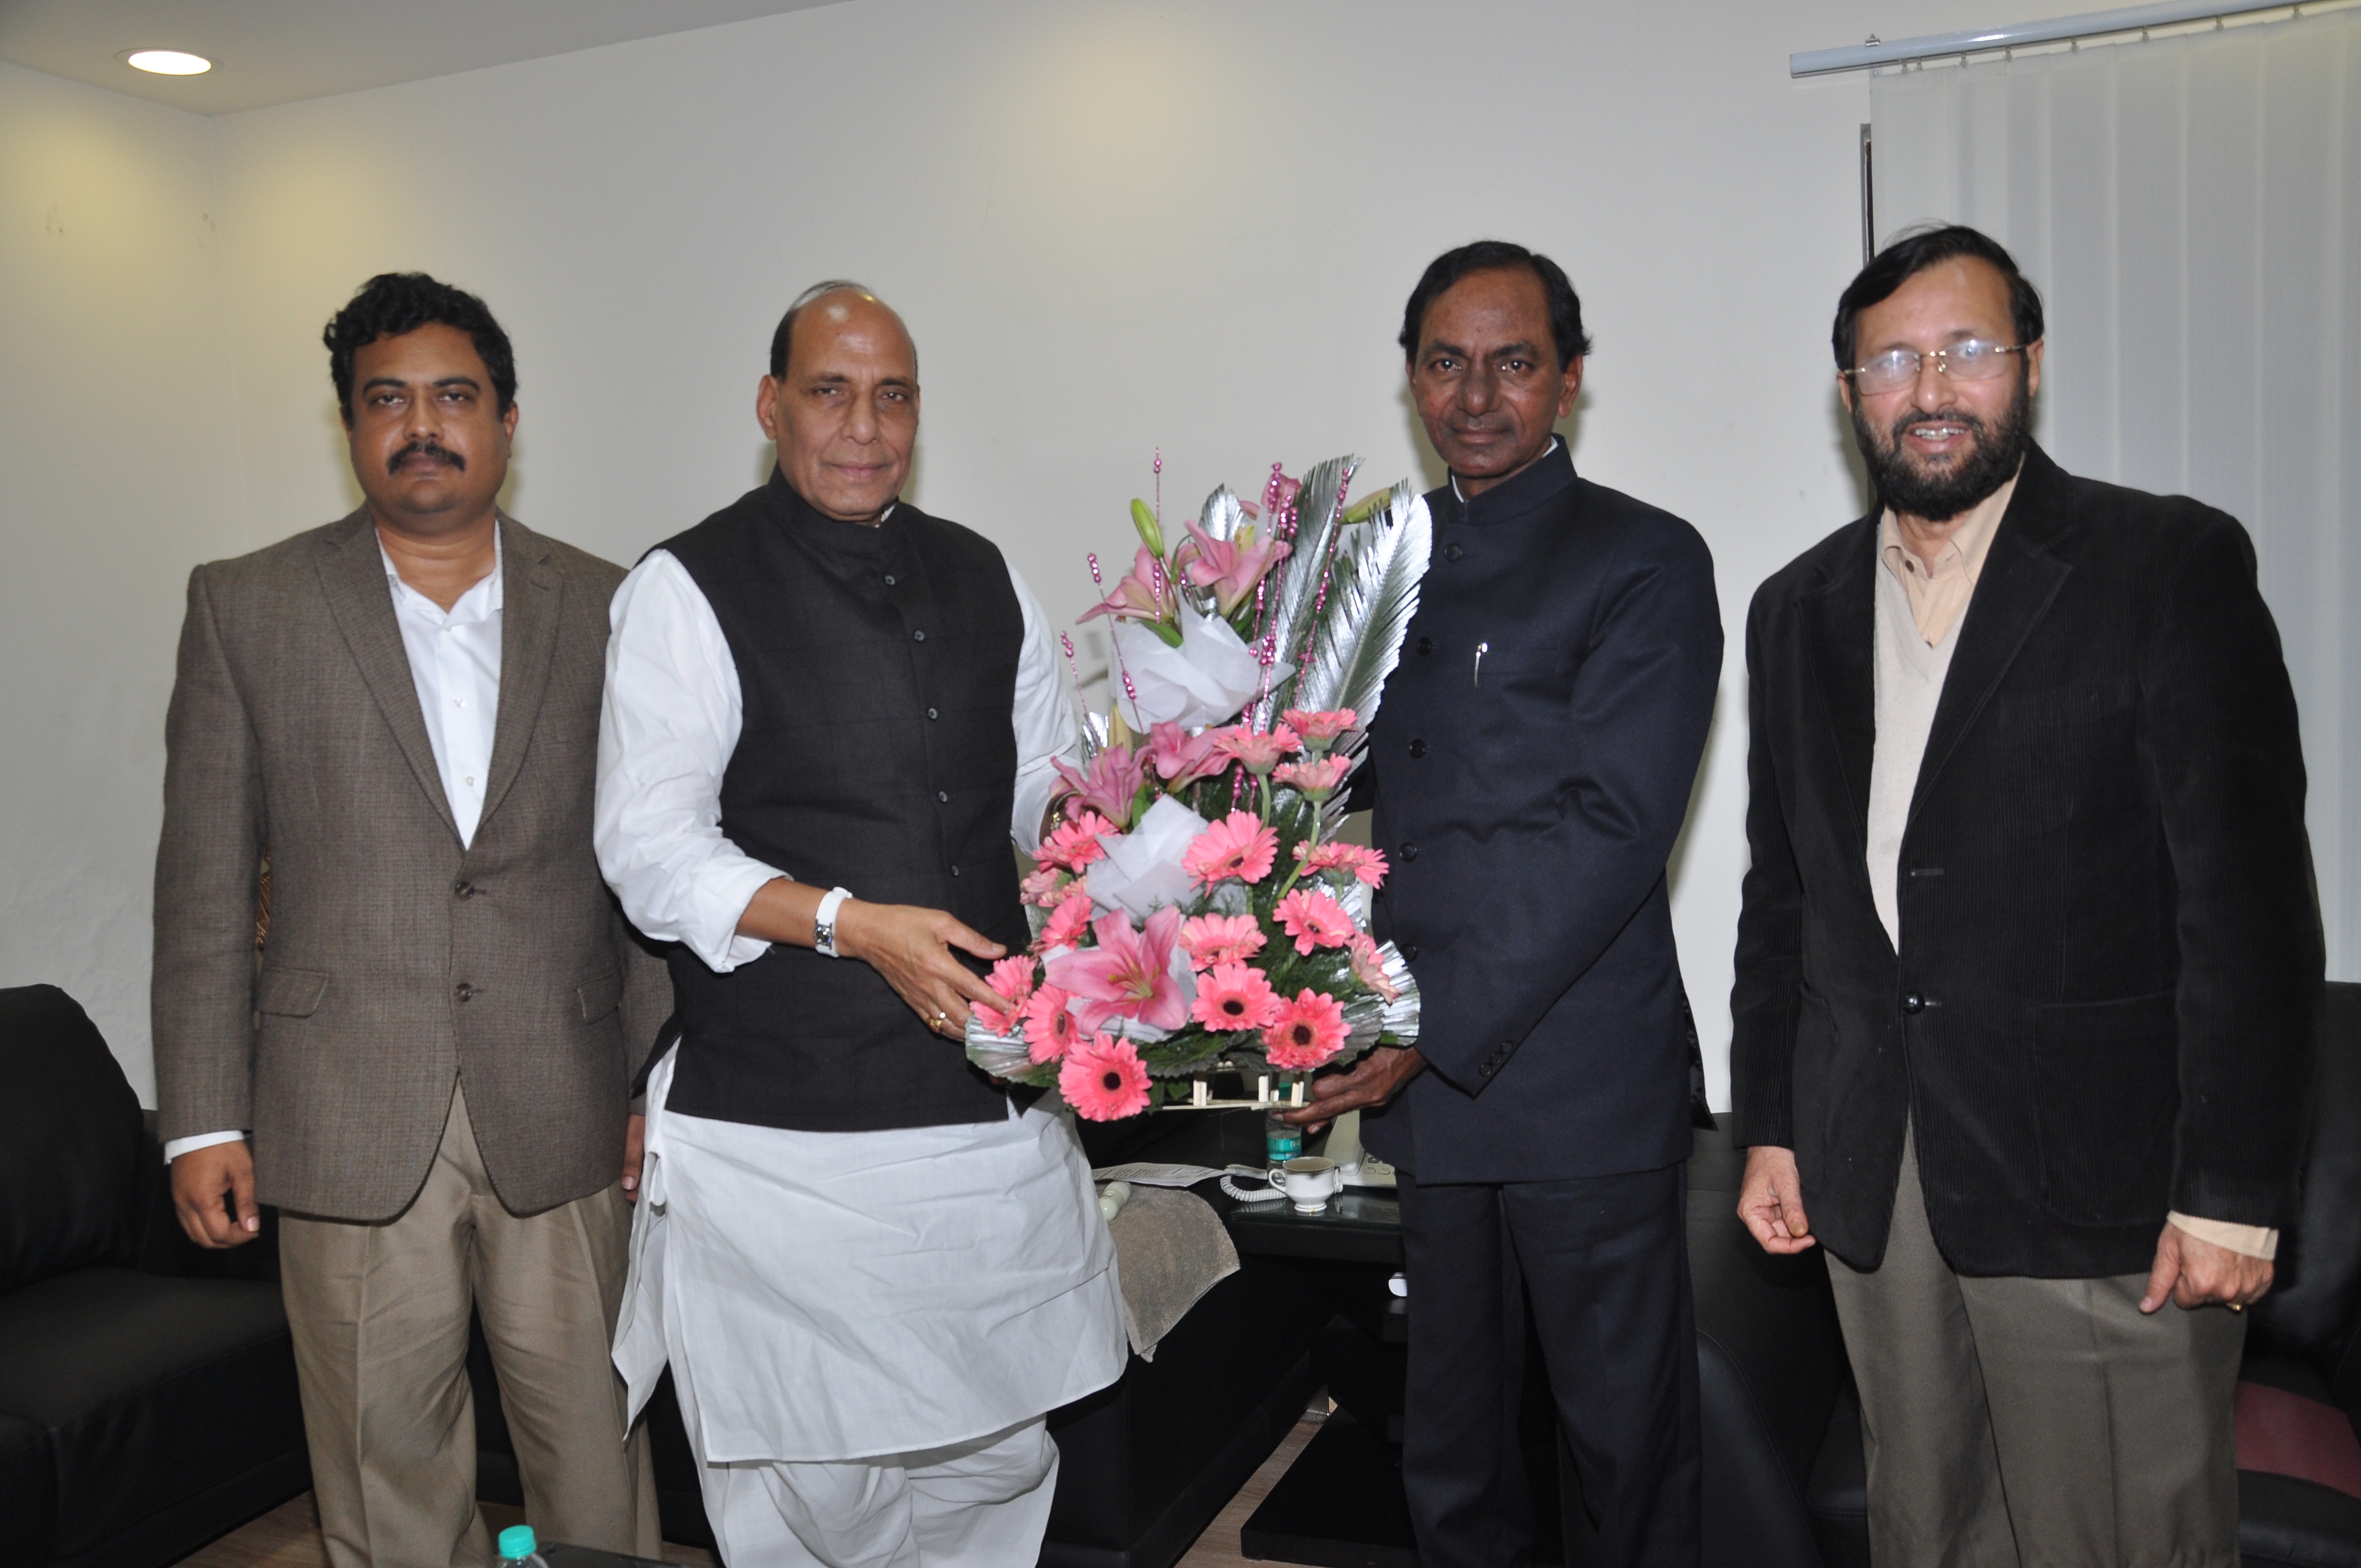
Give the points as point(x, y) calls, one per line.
point(1170, 1249)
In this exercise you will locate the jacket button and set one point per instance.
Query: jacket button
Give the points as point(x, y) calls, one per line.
point(1418, 748)
point(917, 637)
point(932, 713)
point(944, 796)
point(466, 992)
point(889, 579)
point(465, 890)
point(1914, 1002)
point(1453, 552)
point(1410, 852)
point(1409, 952)
point(955, 871)
point(1426, 644)
point(1485, 1070)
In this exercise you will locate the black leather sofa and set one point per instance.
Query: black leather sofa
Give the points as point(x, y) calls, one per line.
point(148, 1395)
point(1786, 1485)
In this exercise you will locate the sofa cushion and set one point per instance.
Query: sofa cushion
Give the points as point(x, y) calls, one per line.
point(150, 1390)
point(28, 1494)
point(69, 1139)
point(2287, 1434)
point(2283, 1519)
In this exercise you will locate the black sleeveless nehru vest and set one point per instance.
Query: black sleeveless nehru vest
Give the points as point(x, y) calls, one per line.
point(878, 667)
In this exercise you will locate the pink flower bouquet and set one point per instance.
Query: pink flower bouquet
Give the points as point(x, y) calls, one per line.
point(1195, 910)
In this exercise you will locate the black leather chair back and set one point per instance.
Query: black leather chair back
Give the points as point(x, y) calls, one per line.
point(2312, 1309)
point(70, 1141)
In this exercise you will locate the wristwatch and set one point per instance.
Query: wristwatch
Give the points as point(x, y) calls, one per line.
point(824, 921)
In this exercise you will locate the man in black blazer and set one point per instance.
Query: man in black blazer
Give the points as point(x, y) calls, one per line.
point(2028, 956)
point(1530, 770)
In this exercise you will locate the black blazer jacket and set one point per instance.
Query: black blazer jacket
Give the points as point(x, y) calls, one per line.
point(2103, 1006)
point(1530, 769)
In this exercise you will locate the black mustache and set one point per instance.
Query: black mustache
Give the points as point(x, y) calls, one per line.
point(425, 449)
point(1974, 426)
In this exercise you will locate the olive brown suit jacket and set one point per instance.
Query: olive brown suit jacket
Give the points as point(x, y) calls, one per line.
point(399, 961)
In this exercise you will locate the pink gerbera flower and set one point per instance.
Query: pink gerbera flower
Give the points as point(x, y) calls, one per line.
point(1012, 981)
point(1050, 1028)
point(1045, 884)
point(1104, 1081)
point(1238, 846)
point(1128, 974)
point(1369, 967)
point(1317, 779)
point(1220, 939)
point(1259, 752)
point(1306, 1032)
point(1370, 865)
point(1320, 729)
point(1067, 922)
point(1234, 996)
point(1314, 919)
point(1075, 844)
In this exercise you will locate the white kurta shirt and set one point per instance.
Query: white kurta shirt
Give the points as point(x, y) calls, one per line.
point(828, 1296)
point(455, 662)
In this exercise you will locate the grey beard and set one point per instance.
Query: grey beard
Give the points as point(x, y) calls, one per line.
point(1938, 498)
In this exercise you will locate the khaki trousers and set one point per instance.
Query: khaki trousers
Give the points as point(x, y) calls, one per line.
point(2015, 1421)
point(380, 1315)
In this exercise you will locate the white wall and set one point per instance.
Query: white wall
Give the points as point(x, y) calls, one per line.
point(118, 469)
point(1112, 227)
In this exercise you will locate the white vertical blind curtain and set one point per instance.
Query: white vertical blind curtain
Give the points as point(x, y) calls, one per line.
point(2190, 209)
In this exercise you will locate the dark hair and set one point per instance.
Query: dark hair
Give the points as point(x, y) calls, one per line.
point(1500, 256)
point(392, 303)
point(781, 339)
point(1916, 251)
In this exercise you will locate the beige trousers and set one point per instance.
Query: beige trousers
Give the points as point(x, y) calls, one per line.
point(2012, 1422)
point(380, 1315)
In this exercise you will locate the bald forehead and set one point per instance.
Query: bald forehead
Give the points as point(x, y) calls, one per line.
point(854, 320)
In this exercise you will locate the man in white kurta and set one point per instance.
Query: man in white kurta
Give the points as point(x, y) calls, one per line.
point(871, 1272)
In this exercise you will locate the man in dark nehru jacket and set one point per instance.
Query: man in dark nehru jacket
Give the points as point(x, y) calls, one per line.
point(872, 1270)
point(2028, 953)
point(1529, 770)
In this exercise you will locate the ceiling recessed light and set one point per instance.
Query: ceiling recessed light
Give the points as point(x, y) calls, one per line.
point(169, 62)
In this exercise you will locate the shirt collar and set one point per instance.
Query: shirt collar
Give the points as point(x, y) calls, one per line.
point(1540, 480)
point(1963, 551)
point(483, 601)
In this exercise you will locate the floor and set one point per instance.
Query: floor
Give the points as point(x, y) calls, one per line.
point(289, 1536)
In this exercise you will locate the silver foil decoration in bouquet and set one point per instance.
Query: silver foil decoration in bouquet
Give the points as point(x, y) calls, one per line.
point(1350, 591)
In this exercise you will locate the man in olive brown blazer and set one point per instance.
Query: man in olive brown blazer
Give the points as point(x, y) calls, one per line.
point(428, 1071)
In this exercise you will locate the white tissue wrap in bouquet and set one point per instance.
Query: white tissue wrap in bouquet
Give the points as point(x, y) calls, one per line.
point(1205, 681)
point(1142, 867)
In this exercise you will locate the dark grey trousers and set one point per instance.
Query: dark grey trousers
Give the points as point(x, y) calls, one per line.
point(2012, 1422)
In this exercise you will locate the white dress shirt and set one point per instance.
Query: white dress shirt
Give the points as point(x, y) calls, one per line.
point(455, 662)
point(673, 712)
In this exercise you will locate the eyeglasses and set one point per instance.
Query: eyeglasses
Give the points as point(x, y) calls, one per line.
point(1972, 360)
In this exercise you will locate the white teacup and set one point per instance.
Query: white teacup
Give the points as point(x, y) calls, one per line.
point(1309, 1182)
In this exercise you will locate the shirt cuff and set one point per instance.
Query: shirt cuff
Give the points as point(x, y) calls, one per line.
point(178, 1147)
point(724, 889)
point(2247, 1241)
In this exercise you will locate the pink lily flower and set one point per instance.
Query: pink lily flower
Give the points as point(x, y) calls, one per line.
point(1180, 758)
point(1259, 752)
point(1146, 593)
point(1110, 786)
point(1128, 974)
point(1229, 568)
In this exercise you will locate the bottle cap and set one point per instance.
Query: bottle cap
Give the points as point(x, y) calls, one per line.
point(517, 1542)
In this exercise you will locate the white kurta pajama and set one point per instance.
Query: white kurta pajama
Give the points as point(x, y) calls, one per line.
point(866, 1329)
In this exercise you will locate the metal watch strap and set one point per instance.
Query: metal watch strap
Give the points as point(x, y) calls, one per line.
point(824, 921)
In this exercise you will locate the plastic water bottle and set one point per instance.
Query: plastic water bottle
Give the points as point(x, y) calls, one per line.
point(1281, 1141)
point(520, 1549)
